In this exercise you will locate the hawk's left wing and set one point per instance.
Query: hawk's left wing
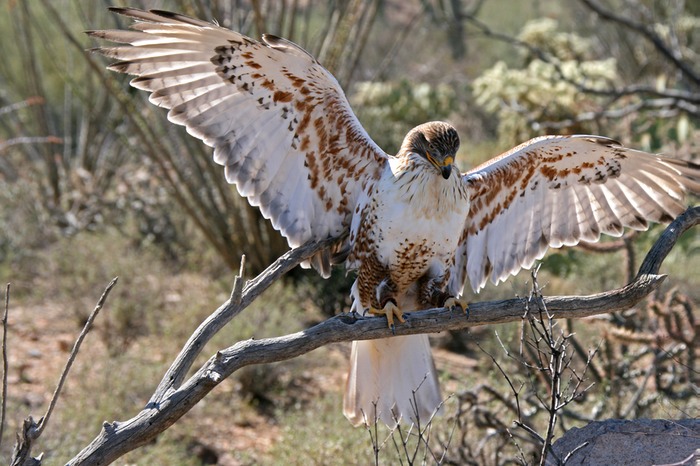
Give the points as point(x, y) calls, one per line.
point(278, 121)
point(559, 190)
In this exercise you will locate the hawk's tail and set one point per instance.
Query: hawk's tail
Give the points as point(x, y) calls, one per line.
point(391, 379)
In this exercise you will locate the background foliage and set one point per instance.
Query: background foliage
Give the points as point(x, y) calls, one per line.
point(94, 182)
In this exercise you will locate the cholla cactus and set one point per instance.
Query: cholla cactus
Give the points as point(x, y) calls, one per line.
point(542, 33)
point(544, 90)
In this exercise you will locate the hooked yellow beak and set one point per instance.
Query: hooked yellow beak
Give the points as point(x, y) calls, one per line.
point(445, 167)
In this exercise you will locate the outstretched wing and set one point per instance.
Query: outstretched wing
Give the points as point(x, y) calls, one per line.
point(278, 121)
point(559, 190)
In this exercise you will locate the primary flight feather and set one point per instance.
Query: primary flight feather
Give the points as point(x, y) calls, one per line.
point(413, 227)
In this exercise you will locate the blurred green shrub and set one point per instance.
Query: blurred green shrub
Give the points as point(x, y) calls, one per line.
point(392, 108)
point(544, 90)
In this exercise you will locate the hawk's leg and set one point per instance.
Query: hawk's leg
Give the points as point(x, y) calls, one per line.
point(385, 298)
point(432, 293)
point(453, 303)
point(390, 310)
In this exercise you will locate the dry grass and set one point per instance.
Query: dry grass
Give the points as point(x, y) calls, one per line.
point(149, 315)
point(283, 413)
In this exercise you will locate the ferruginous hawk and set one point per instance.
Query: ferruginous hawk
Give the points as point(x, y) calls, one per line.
point(412, 226)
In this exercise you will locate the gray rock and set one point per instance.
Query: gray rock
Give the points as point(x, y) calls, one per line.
point(639, 442)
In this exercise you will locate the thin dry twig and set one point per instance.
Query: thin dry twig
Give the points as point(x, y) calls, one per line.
point(32, 430)
point(30, 140)
point(571, 453)
point(4, 360)
point(649, 34)
point(73, 354)
point(516, 393)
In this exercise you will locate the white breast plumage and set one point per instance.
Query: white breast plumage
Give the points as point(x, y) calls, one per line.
point(417, 206)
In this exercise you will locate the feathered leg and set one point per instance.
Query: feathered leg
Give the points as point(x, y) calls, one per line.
point(432, 293)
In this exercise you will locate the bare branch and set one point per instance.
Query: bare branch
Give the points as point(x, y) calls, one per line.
point(516, 393)
point(29, 140)
point(571, 453)
point(670, 106)
point(647, 33)
point(32, 430)
point(74, 352)
point(36, 100)
point(665, 98)
point(241, 297)
point(669, 237)
point(172, 400)
point(4, 360)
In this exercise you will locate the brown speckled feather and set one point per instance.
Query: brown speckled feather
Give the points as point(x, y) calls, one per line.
point(558, 190)
point(278, 121)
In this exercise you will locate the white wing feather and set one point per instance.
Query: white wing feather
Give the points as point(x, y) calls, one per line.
point(558, 190)
point(278, 121)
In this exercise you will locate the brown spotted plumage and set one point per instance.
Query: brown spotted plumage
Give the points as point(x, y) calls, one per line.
point(412, 226)
point(558, 190)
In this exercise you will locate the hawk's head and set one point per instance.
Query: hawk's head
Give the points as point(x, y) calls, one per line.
point(437, 142)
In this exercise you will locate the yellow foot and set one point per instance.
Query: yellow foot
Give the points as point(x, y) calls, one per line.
point(452, 303)
point(390, 310)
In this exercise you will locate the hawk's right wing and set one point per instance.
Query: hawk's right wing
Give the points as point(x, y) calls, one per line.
point(278, 121)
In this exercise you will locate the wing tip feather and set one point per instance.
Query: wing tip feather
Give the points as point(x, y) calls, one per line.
point(182, 18)
point(131, 12)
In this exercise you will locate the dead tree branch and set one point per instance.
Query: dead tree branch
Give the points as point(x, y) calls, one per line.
point(649, 34)
point(665, 102)
point(4, 360)
point(175, 396)
point(31, 430)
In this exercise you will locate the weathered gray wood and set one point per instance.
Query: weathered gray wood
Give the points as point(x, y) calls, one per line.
point(241, 297)
point(175, 396)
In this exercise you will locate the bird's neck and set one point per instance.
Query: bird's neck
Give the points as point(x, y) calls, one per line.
point(424, 188)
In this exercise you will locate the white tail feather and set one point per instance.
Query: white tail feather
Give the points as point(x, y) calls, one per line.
point(391, 379)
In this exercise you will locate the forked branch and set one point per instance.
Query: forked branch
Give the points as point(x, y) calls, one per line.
point(175, 396)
